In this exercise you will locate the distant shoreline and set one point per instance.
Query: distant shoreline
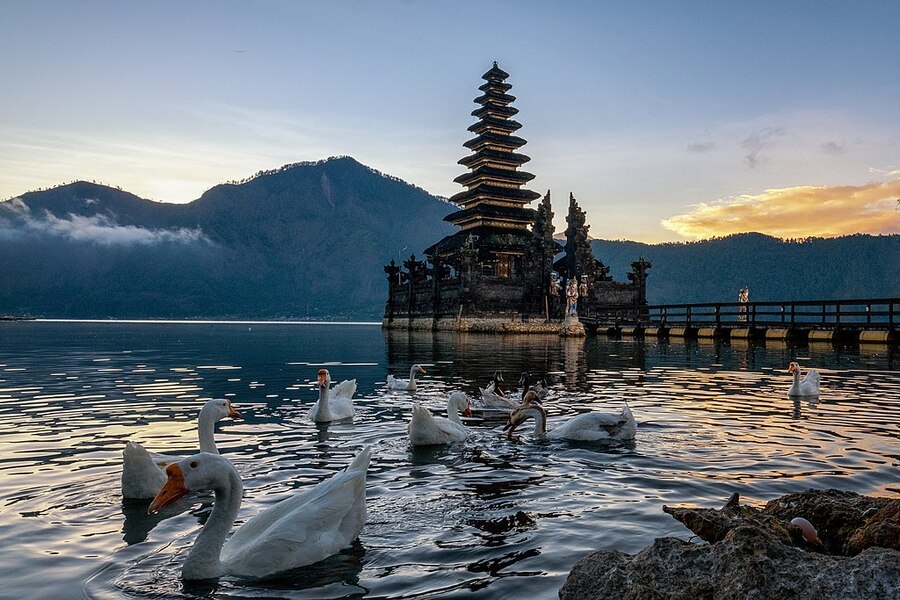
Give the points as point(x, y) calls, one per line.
point(205, 322)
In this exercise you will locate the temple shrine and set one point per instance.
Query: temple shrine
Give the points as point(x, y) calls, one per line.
point(500, 271)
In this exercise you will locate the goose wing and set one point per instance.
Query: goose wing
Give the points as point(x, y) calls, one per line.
point(142, 476)
point(344, 389)
point(594, 426)
point(302, 529)
point(812, 377)
point(427, 430)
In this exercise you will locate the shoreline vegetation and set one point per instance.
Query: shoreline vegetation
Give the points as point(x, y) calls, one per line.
point(197, 321)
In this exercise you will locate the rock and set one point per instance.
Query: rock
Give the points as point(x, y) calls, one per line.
point(713, 525)
point(758, 554)
point(840, 517)
point(882, 528)
point(571, 327)
point(745, 565)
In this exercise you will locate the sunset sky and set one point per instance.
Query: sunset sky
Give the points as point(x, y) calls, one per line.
point(667, 120)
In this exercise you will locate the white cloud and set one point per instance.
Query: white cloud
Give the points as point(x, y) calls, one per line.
point(797, 212)
point(97, 229)
point(889, 172)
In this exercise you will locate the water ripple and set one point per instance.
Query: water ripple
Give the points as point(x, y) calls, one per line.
point(485, 518)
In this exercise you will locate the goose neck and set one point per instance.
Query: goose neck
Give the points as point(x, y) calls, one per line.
point(203, 560)
point(453, 412)
point(323, 401)
point(540, 420)
point(206, 426)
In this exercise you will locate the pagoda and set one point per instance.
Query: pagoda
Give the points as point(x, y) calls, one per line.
point(499, 271)
point(492, 209)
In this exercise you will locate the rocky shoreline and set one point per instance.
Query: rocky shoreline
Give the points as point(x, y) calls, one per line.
point(513, 324)
point(753, 553)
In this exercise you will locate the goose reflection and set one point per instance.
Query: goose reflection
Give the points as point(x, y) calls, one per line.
point(434, 455)
point(342, 569)
point(499, 527)
point(137, 524)
point(797, 412)
point(493, 566)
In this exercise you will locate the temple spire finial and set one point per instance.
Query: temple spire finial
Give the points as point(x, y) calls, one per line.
point(495, 64)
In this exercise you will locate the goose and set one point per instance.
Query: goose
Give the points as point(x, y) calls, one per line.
point(142, 472)
point(405, 384)
point(427, 430)
point(808, 386)
point(297, 531)
point(493, 397)
point(333, 404)
point(586, 427)
point(538, 387)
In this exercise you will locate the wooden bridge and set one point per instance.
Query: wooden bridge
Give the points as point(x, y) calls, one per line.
point(869, 320)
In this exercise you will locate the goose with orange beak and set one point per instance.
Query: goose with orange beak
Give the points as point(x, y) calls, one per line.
point(142, 472)
point(334, 404)
point(427, 430)
point(405, 384)
point(807, 386)
point(298, 531)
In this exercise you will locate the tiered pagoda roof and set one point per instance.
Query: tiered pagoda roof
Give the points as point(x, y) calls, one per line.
point(494, 197)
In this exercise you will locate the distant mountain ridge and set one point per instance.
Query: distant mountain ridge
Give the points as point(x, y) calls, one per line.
point(304, 241)
point(309, 240)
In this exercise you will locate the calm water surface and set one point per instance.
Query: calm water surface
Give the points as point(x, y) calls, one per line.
point(487, 518)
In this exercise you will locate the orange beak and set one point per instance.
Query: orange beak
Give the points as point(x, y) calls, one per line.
point(173, 489)
point(233, 413)
point(467, 412)
point(421, 370)
point(791, 368)
point(323, 377)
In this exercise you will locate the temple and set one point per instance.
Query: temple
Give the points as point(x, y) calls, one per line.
point(500, 271)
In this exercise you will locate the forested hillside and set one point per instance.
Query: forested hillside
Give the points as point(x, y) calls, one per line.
point(310, 241)
point(304, 241)
point(857, 266)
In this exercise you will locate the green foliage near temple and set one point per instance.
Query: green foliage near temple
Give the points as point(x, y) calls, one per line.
point(856, 266)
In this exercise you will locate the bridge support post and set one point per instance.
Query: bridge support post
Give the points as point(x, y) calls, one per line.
point(879, 337)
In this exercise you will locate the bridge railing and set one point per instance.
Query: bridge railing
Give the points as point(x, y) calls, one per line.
point(878, 313)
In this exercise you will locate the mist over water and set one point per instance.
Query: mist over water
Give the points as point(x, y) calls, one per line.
point(488, 518)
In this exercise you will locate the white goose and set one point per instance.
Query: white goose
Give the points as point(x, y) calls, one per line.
point(586, 427)
point(298, 531)
point(493, 397)
point(427, 430)
point(142, 472)
point(405, 384)
point(334, 404)
point(808, 386)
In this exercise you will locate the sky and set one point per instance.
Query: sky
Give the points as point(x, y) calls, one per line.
point(668, 121)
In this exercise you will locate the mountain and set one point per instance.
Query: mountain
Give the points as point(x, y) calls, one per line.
point(309, 240)
point(306, 240)
point(855, 266)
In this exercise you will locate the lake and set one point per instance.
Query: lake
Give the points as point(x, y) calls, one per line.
point(487, 518)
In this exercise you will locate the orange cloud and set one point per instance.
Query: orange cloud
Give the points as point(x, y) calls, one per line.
point(798, 212)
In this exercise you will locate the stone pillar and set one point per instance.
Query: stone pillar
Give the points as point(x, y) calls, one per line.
point(393, 277)
point(437, 275)
point(470, 272)
point(638, 278)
